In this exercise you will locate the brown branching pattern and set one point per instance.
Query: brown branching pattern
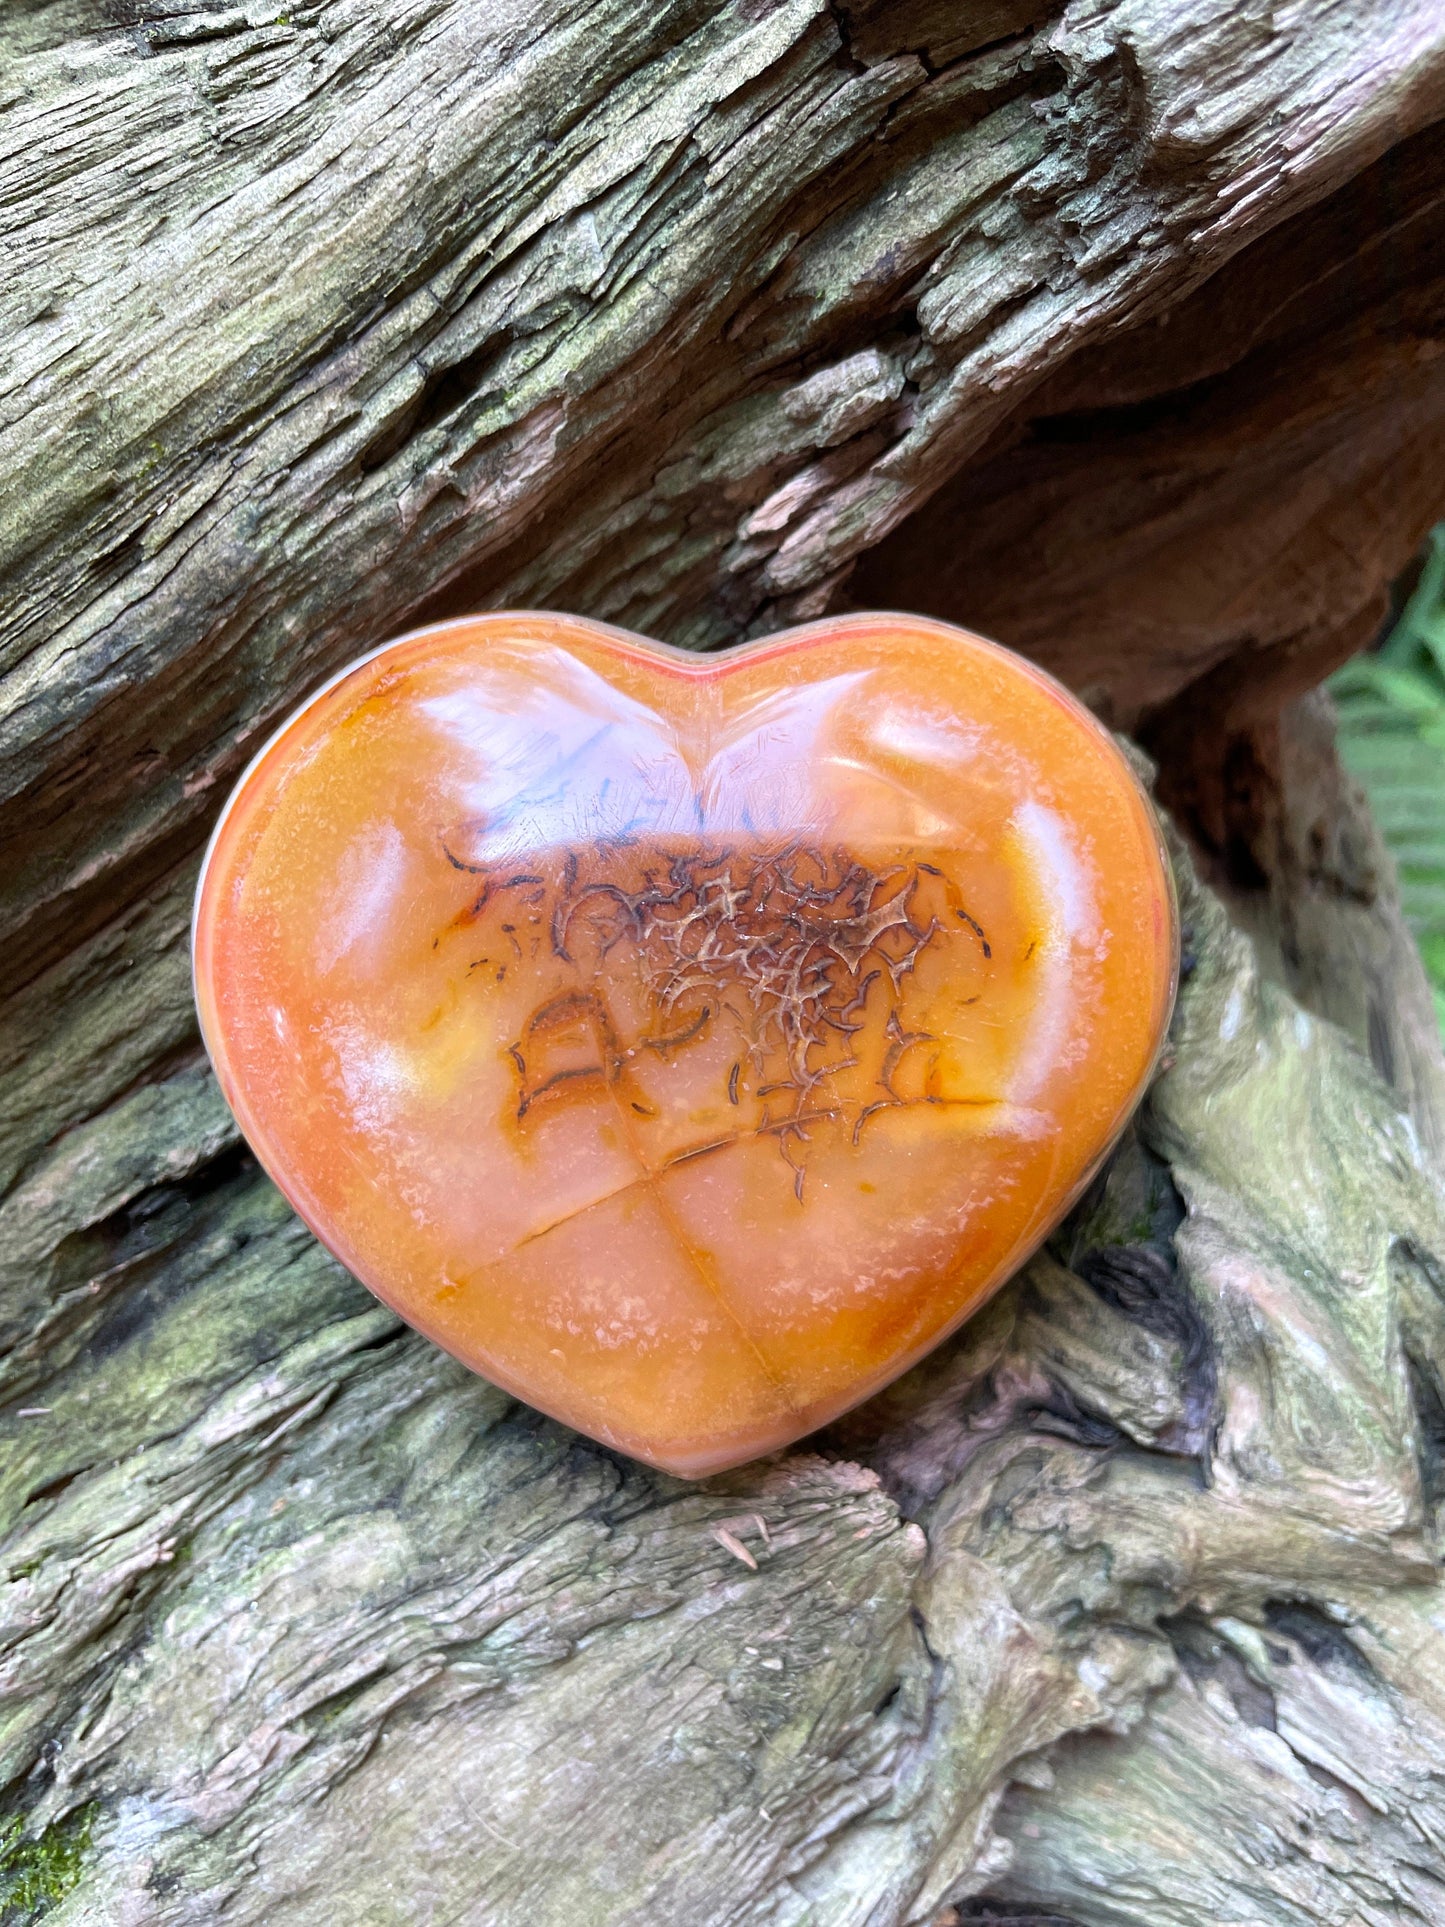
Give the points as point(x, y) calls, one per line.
point(799, 949)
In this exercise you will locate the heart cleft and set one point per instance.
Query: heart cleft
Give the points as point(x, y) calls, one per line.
point(688, 1044)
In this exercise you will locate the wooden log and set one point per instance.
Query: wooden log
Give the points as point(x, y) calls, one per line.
point(1113, 329)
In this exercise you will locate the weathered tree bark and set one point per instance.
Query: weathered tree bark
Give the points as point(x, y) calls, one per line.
point(1113, 329)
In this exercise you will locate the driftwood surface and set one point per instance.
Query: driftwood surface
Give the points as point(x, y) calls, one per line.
point(1116, 330)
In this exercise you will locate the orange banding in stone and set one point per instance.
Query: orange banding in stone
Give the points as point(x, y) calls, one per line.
point(687, 1043)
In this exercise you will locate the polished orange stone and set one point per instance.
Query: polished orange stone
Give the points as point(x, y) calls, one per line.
point(686, 1043)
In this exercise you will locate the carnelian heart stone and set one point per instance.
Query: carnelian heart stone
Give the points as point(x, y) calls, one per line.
point(686, 1043)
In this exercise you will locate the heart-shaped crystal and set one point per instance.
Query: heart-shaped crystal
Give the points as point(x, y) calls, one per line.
point(687, 1043)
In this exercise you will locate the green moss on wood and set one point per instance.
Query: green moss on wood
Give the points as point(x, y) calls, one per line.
point(36, 1874)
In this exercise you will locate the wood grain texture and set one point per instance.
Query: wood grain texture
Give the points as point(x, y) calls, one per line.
point(1198, 516)
point(320, 319)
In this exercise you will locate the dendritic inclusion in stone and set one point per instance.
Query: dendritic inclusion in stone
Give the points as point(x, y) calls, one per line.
point(686, 1043)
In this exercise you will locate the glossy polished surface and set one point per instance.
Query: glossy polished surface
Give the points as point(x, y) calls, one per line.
point(685, 1043)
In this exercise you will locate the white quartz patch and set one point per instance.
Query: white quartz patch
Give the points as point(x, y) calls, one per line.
point(365, 895)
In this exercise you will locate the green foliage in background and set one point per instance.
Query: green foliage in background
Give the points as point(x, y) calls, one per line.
point(1392, 738)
